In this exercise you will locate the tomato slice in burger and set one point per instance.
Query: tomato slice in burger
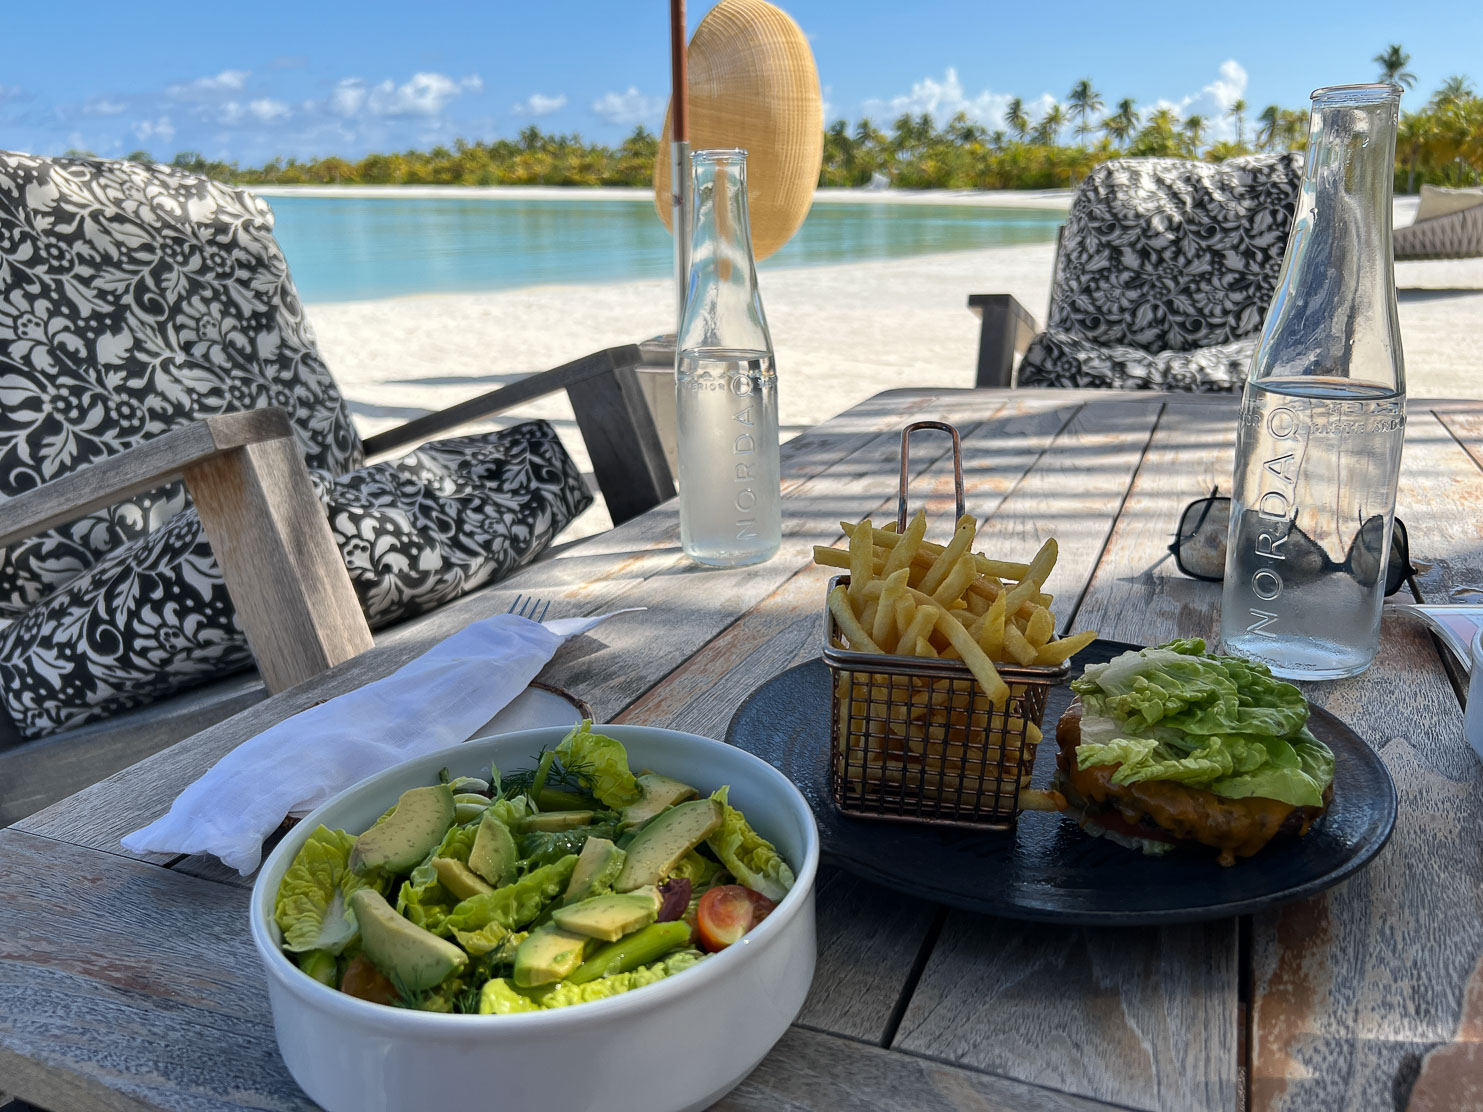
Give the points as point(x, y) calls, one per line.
point(727, 912)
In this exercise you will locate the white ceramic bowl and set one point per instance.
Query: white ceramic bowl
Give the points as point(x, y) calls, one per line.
point(677, 1044)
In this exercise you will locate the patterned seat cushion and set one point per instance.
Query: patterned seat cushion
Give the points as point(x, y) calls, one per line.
point(1060, 359)
point(153, 616)
point(134, 299)
point(1165, 256)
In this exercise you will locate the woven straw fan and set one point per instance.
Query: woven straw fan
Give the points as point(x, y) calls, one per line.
point(753, 85)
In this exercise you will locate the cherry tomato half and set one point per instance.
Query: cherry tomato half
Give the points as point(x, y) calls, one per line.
point(728, 912)
point(364, 980)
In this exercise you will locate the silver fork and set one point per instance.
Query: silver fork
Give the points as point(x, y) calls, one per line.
point(528, 606)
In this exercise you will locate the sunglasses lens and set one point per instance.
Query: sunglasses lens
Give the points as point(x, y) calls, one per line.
point(1399, 566)
point(1202, 538)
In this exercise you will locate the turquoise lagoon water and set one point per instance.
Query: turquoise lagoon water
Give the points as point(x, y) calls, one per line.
point(346, 249)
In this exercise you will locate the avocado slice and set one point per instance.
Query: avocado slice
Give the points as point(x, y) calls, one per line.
point(660, 845)
point(597, 867)
point(459, 879)
point(659, 792)
point(551, 821)
point(494, 855)
point(403, 837)
point(609, 917)
point(548, 954)
point(418, 959)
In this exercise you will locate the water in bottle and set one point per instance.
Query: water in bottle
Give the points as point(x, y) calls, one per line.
point(730, 504)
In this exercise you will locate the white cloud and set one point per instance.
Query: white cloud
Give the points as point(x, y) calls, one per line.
point(225, 81)
point(629, 108)
point(425, 94)
point(348, 96)
point(161, 129)
point(101, 106)
point(1213, 100)
point(944, 99)
point(268, 110)
point(538, 104)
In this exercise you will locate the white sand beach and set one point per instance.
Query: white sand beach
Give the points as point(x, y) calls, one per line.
point(842, 333)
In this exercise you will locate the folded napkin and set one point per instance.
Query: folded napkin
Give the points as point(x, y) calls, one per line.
point(428, 704)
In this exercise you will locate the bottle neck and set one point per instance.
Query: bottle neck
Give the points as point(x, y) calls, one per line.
point(723, 307)
point(1334, 313)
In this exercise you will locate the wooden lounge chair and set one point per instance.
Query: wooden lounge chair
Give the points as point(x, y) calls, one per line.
point(244, 462)
point(1163, 273)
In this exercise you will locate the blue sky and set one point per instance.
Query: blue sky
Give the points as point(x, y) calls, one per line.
point(248, 82)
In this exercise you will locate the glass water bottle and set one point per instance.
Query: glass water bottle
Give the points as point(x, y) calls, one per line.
point(1318, 452)
point(726, 400)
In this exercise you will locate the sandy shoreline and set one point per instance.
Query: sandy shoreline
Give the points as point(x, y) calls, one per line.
point(1055, 199)
point(842, 333)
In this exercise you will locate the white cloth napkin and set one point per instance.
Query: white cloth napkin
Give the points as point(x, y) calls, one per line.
point(428, 704)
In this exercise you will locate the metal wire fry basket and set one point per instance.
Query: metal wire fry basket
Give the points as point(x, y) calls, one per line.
point(916, 739)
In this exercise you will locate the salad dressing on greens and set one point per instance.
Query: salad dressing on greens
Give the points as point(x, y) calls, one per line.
point(571, 882)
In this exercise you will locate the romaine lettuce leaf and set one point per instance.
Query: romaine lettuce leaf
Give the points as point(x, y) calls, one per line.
point(515, 904)
point(751, 858)
point(1220, 723)
point(699, 871)
point(501, 997)
point(312, 907)
point(601, 763)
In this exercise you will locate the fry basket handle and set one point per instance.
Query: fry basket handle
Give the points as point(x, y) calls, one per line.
point(915, 426)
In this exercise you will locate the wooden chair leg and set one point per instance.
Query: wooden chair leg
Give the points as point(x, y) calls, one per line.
point(283, 570)
point(622, 442)
point(1006, 330)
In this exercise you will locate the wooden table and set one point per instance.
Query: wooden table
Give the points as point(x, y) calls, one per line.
point(128, 983)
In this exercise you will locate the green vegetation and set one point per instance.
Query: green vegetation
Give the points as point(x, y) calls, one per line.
point(1440, 144)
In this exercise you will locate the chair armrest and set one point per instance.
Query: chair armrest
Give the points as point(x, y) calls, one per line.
point(1006, 331)
point(614, 419)
point(246, 475)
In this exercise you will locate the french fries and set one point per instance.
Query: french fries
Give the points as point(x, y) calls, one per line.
point(935, 736)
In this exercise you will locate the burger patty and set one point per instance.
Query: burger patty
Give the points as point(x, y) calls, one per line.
point(1170, 811)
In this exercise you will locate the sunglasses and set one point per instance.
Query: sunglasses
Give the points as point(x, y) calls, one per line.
point(1199, 547)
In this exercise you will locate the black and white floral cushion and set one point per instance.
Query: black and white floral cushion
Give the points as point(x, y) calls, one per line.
point(1164, 256)
point(135, 299)
point(153, 616)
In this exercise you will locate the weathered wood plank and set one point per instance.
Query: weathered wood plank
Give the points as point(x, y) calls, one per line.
point(869, 939)
point(1143, 1018)
point(287, 579)
point(1464, 420)
point(1354, 987)
point(124, 987)
point(812, 1070)
point(142, 468)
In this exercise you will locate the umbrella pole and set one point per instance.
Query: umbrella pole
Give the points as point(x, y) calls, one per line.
point(679, 173)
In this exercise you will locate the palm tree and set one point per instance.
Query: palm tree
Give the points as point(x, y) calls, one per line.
point(1393, 65)
point(1049, 127)
point(1194, 127)
point(1084, 101)
point(1237, 112)
point(1292, 128)
point(1016, 120)
point(1454, 91)
point(1266, 134)
point(1123, 123)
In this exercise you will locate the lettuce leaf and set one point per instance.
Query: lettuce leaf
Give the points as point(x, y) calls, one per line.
point(699, 871)
point(312, 907)
point(501, 997)
point(601, 764)
point(515, 904)
point(1220, 723)
point(751, 858)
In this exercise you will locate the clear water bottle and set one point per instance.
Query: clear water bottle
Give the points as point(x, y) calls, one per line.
point(726, 392)
point(1318, 452)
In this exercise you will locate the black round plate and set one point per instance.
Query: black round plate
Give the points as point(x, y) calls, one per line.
point(1048, 868)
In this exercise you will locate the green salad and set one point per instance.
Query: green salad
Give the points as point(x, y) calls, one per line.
point(571, 881)
point(1220, 723)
